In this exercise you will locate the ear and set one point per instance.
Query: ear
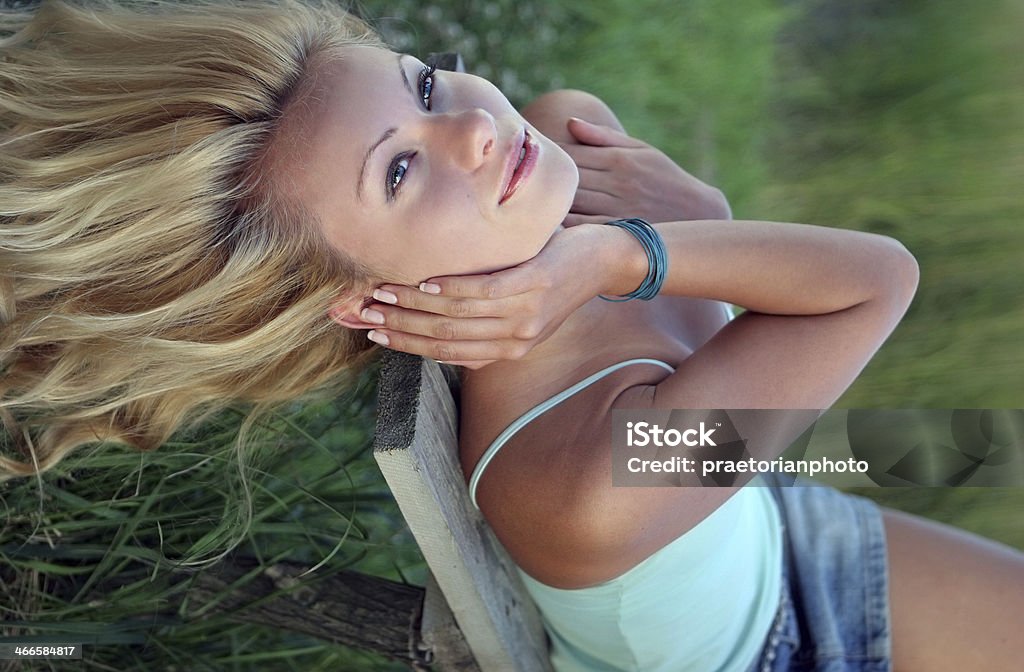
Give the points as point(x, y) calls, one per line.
point(346, 312)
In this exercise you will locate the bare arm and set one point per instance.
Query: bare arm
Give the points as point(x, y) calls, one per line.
point(820, 302)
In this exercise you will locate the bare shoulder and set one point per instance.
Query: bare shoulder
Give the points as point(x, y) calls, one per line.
point(548, 495)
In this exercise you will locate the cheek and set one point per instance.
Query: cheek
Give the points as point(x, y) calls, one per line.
point(458, 241)
point(447, 231)
point(486, 95)
point(449, 209)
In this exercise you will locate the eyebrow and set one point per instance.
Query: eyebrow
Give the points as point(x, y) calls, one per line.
point(383, 138)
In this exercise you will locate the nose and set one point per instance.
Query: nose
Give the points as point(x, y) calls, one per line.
point(472, 136)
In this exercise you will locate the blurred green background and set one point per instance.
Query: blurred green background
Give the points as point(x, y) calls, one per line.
point(904, 118)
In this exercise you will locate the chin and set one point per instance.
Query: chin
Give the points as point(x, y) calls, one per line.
point(562, 183)
point(567, 168)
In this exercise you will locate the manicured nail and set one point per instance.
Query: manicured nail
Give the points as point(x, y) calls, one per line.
point(377, 337)
point(384, 296)
point(430, 288)
point(371, 315)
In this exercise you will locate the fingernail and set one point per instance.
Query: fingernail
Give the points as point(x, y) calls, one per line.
point(371, 315)
point(382, 339)
point(430, 288)
point(384, 296)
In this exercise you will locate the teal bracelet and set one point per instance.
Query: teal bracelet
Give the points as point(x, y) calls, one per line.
point(657, 259)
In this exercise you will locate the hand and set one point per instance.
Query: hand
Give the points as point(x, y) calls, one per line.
point(624, 177)
point(475, 320)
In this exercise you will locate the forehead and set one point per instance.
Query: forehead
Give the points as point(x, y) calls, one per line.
point(330, 122)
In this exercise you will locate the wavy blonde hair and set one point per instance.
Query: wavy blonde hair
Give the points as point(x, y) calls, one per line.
point(150, 268)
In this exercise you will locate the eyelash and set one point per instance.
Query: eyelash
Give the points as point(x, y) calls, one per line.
point(426, 89)
point(427, 94)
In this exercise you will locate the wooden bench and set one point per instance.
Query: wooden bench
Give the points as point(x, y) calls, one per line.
point(477, 614)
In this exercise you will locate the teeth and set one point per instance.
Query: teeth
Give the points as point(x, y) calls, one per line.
point(522, 155)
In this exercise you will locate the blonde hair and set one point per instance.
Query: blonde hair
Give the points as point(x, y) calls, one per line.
point(150, 269)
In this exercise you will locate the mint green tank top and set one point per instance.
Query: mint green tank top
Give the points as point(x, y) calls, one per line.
point(703, 603)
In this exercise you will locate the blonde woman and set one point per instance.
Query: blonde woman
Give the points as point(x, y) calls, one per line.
point(221, 200)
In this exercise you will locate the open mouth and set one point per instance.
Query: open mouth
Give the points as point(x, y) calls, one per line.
point(522, 166)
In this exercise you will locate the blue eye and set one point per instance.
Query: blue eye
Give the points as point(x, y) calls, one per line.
point(427, 84)
point(396, 173)
point(400, 166)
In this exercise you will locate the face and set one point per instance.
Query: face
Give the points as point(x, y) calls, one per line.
point(419, 173)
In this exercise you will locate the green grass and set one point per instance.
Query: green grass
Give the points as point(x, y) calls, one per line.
point(896, 118)
point(914, 129)
point(899, 118)
point(94, 552)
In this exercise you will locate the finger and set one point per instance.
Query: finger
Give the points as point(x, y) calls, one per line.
point(449, 351)
point(441, 327)
point(495, 286)
point(599, 180)
point(587, 202)
point(598, 135)
point(415, 299)
point(585, 156)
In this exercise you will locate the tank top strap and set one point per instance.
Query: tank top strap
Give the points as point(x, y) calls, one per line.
point(543, 407)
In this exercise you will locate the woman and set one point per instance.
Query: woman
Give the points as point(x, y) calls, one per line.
point(197, 223)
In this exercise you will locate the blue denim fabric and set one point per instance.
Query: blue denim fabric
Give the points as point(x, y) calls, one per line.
point(834, 610)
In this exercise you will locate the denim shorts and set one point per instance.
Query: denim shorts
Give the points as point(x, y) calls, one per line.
point(834, 610)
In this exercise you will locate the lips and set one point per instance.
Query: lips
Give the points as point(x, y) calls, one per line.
point(521, 160)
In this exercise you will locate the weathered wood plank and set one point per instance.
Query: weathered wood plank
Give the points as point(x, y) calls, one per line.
point(441, 638)
point(417, 450)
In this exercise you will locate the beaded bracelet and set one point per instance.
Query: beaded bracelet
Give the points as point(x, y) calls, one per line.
point(657, 258)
